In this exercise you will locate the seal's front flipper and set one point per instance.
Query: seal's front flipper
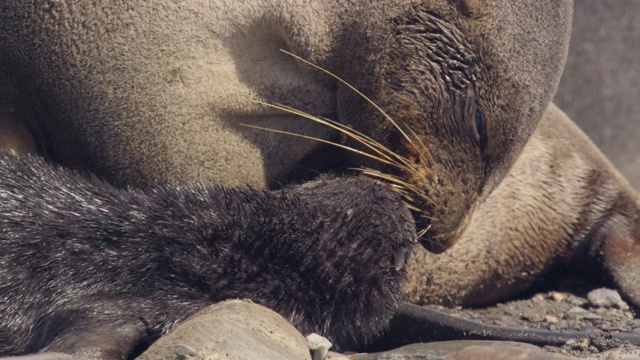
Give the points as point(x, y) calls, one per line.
point(620, 254)
point(98, 339)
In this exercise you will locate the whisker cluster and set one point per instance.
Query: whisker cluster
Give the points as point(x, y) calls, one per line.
point(376, 151)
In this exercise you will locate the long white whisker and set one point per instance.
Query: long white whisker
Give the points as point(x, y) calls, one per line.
point(368, 142)
point(324, 141)
point(354, 90)
point(347, 130)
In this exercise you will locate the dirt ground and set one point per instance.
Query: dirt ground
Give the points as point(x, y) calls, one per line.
point(572, 305)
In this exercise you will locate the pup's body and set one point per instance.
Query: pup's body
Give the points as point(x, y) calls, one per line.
point(90, 269)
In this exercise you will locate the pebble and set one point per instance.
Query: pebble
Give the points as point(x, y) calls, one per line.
point(558, 296)
point(606, 298)
point(551, 319)
point(319, 346)
point(538, 298)
point(533, 315)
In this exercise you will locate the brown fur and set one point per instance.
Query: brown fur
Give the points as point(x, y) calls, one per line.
point(144, 94)
point(562, 206)
point(147, 94)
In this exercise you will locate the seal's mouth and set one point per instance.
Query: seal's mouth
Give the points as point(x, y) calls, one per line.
point(442, 240)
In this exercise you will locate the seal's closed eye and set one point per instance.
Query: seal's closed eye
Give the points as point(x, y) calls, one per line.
point(474, 118)
point(480, 133)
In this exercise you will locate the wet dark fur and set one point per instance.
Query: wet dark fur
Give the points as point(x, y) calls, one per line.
point(87, 268)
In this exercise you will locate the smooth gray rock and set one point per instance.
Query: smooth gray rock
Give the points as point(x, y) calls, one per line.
point(600, 87)
point(232, 330)
point(465, 350)
point(504, 352)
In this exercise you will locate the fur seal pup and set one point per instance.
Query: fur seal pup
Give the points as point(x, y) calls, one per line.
point(95, 271)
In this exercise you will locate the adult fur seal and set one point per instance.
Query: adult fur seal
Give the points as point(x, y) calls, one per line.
point(95, 271)
point(128, 93)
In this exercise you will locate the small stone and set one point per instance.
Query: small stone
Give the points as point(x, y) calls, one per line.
point(533, 315)
point(558, 296)
point(538, 298)
point(628, 314)
point(577, 310)
point(562, 324)
point(606, 298)
point(551, 319)
point(319, 346)
point(510, 311)
point(574, 300)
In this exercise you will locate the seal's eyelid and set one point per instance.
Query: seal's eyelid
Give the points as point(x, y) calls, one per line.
point(474, 117)
point(469, 102)
point(480, 126)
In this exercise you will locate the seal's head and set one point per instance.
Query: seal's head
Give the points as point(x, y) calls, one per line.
point(467, 83)
point(142, 94)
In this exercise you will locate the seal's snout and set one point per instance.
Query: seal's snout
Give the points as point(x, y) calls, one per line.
point(448, 232)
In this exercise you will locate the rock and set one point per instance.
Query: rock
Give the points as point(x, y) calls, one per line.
point(558, 296)
point(504, 352)
point(551, 319)
point(232, 330)
point(606, 298)
point(538, 298)
point(533, 315)
point(466, 350)
point(319, 346)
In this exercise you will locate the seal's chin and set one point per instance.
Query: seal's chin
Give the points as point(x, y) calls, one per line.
point(433, 246)
point(438, 240)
